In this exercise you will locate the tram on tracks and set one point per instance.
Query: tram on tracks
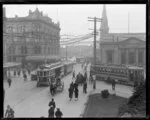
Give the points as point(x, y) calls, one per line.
point(122, 74)
point(47, 74)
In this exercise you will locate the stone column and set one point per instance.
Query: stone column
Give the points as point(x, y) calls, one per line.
point(127, 56)
point(119, 56)
point(136, 56)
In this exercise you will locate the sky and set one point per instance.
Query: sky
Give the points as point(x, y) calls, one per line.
point(74, 18)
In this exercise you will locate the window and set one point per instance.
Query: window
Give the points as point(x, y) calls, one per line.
point(23, 50)
point(37, 50)
point(109, 54)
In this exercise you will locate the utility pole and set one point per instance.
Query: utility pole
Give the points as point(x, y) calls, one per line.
point(94, 42)
point(45, 49)
point(66, 52)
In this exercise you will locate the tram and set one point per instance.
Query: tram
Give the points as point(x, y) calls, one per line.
point(121, 73)
point(46, 74)
point(68, 67)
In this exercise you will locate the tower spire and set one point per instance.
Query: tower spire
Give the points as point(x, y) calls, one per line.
point(104, 24)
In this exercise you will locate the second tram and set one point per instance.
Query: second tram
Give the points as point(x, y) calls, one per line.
point(122, 74)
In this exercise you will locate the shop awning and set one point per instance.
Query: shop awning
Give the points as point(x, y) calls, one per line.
point(11, 64)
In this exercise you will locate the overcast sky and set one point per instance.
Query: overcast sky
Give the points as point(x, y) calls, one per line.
point(74, 18)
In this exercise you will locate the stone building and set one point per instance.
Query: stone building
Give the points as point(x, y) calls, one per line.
point(32, 39)
point(121, 48)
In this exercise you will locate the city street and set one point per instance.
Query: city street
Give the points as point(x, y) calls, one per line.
point(29, 101)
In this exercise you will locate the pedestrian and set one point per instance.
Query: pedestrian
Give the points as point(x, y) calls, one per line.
point(73, 74)
point(70, 93)
point(14, 72)
point(9, 81)
point(52, 103)
point(51, 112)
point(75, 85)
point(72, 85)
point(113, 84)
point(9, 112)
point(85, 76)
point(25, 77)
point(58, 113)
point(82, 79)
point(85, 87)
point(94, 81)
point(52, 89)
point(76, 91)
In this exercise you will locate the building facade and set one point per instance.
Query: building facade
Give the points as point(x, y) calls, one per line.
point(121, 48)
point(32, 38)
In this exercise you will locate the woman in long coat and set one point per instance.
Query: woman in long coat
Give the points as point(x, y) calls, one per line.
point(76, 93)
point(70, 93)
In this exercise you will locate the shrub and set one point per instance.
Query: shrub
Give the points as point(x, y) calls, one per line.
point(136, 104)
point(105, 94)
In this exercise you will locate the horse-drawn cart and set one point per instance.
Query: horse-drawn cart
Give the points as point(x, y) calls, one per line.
point(56, 86)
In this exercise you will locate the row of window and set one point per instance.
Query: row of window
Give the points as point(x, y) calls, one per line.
point(117, 71)
point(111, 70)
point(30, 28)
point(30, 39)
point(36, 50)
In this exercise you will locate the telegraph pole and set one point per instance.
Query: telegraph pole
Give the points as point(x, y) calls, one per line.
point(94, 42)
point(66, 52)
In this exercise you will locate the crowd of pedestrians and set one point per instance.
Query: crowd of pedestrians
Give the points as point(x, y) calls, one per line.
point(15, 74)
point(78, 79)
point(51, 111)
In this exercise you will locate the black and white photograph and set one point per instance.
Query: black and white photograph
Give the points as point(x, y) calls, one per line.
point(74, 60)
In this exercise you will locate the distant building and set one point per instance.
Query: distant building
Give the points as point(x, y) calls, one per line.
point(32, 39)
point(121, 48)
point(78, 51)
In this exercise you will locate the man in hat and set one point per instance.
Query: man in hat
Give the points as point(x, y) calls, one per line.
point(9, 112)
point(52, 103)
point(58, 113)
point(9, 81)
point(51, 112)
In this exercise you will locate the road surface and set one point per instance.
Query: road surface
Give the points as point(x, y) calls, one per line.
point(27, 100)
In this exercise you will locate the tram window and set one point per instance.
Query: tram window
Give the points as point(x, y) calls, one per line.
point(44, 79)
point(44, 73)
point(41, 73)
